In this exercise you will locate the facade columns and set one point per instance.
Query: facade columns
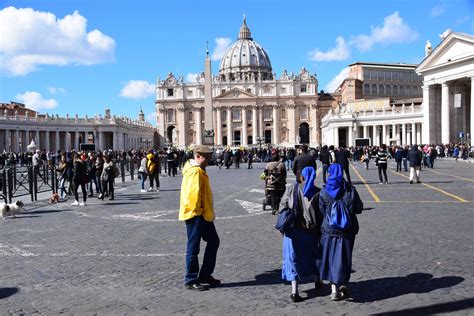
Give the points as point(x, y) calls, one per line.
point(260, 121)
point(445, 128)
point(291, 124)
point(336, 137)
point(48, 145)
point(102, 141)
point(58, 146)
point(426, 117)
point(364, 131)
point(161, 126)
point(276, 125)
point(350, 138)
point(413, 134)
point(471, 132)
point(375, 135)
point(418, 135)
point(404, 134)
point(244, 126)
point(384, 134)
point(114, 141)
point(219, 126)
point(181, 128)
point(76, 140)
point(198, 126)
point(254, 125)
point(395, 134)
point(16, 144)
point(230, 132)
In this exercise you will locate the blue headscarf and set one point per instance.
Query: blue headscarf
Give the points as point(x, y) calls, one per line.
point(309, 175)
point(335, 180)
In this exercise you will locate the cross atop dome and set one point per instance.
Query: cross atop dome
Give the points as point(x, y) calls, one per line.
point(244, 32)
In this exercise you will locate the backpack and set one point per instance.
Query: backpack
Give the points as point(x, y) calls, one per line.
point(286, 219)
point(339, 217)
point(275, 177)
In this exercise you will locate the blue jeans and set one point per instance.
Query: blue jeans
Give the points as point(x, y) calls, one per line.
point(144, 176)
point(198, 228)
point(289, 164)
point(405, 164)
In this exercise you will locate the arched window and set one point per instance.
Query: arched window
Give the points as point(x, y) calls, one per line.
point(381, 89)
point(249, 115)
point(387, 75)
point(388, 89)
point(366, 88)
point(170, 116)
point(395, 90)
point(374, 89)
point(380, 75)
point(402, 90)
point(409, 90)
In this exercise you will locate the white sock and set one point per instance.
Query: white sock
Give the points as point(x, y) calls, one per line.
point(294, 287)
point(333, 288)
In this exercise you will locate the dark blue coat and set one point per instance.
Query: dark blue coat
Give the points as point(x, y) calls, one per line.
point(354, 205)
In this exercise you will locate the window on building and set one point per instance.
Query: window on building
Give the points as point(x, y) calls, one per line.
point(222, 91)
point(395, 90)
point(169, 92)
point(409, 90)
point(380, 75)
point(374, 89)
point(366, 88)
point(304, 113)
point(249, 115)
point(224, 115)
point(236, 115)
point(190, 116)
point(170, 116)
point(402, 90)
point(303, 88)
point(267, 114)
point(283, 90)
point(386, 75)
point(267, 89)
point(190, 93)
point(249, 90)
point(373, 75)
point(388, 89)
point(381, 90)
point(283, 114)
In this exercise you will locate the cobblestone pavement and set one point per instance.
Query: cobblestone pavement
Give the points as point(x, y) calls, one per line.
point(414, 252)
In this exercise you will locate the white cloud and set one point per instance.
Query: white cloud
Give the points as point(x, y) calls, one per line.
point(151, 117)
point(222, 44)
point(340, 52)
point(191, 77)
point(30, 38)
point(393, 30)
point(437, 11)
point(337, 80)
point(34, 100)
point(56, 90)
point(137, 89)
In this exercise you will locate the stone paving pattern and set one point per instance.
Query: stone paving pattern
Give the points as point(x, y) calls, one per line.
point(414, 252)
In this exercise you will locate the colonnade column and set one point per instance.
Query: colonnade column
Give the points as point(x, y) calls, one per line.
point(471, 132)
point(364, 131)
point(375, 136)
point(17, 141)
point(404, 134)
point(394, 133)
point(219, 126)
point(260, 121)
point(426, 116)
point(276, 125)
point(57, 146)
point(198, 126)
point(291, 124)
point(230, 132)
point(413, 134)
point(445, 132)
point(48, 145)
point(181, 128)
point(102, 141)
point(244, 126)
point(76, 140)
point(336, 137)
point(254, 125)
point(384, 134)
point(418, 135)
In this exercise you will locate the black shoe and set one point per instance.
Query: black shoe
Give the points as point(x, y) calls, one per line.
point(196, 287)
point(90, 195)
point(295, 298)
point(411, 181)
point(210, 280)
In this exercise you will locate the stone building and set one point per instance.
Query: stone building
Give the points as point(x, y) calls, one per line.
point(20, 125)
point(244, 104)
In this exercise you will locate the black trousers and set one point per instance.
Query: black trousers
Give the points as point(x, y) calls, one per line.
point(275, 198)
point(108, 186)
point(382, 168)
point(76, 189)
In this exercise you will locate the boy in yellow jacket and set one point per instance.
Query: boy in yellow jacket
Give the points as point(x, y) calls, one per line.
point(196, 209)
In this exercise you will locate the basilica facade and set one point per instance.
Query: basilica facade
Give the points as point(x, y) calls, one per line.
point(245, 104)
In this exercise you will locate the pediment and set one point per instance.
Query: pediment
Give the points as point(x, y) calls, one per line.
point(236, 94)
point(455, 47)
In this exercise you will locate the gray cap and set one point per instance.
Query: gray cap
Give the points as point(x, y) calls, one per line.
point(202, 149)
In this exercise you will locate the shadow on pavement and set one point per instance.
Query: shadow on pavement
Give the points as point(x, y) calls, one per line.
point(7, 291)
point(266, 278)
point(48, 211)
point(370, 290)
point(434, 309)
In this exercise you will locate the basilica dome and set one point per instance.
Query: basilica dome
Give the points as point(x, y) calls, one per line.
point(245, 59)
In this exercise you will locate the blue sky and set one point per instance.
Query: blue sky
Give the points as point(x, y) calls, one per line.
point(83, 56)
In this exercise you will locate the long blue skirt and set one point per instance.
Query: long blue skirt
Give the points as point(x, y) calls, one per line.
point(336, 259)
point(300, 250)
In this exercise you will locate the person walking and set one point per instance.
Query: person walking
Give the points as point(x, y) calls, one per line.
point(196, 210)
point(301, 245)
point(415, 157)
point(92, 172)
point(338, 242)
point(62, 170)
point(382, 161)
point(170, 162)
point(398, 159)
point(343, 157)
point(324, 157)
point(79, 179)
point(152, 163)
point(275, 182)
point(143, 173)
point(108, 176)
point(249, 159)
point(301, 161)
point(405, 158)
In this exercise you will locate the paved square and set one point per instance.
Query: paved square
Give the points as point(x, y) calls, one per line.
point(413, 254)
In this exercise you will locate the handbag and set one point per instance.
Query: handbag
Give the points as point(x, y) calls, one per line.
point(286, 219)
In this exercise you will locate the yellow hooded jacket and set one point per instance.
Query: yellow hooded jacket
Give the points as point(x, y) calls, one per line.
point(196, 195)
point(150, 165)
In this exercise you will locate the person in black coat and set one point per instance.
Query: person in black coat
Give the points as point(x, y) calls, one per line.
point(342, 157)
point(415, 157)
point(303, 160)
point(79, 179)
point(325, 161)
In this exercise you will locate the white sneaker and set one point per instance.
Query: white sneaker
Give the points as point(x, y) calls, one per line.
point(143, 191)
point(83, 204)
point(75, 203)
point(150, 189)
point(157, 190)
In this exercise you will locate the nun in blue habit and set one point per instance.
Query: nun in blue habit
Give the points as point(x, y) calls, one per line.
point(337, 245)
point(301, 245)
